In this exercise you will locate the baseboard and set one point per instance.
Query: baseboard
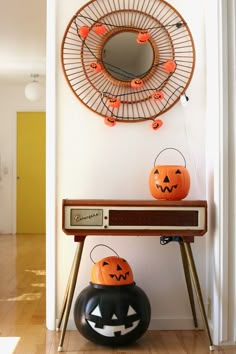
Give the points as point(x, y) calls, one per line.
point(171, 324)
point(165, 324)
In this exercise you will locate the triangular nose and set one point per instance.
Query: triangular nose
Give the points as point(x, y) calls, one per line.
point(118, 267)
point(166, 179)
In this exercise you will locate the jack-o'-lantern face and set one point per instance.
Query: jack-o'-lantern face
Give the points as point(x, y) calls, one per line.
point(96, 67)
point(99, 28)
point(169, 182)
point(156, 124)
point(110, 319)
point(110, 121)
point(136, 83)
point(158, 95)
point(143, 36)
point(111, 315)
point(140, 41)
point(114, 102)
point(112, 271)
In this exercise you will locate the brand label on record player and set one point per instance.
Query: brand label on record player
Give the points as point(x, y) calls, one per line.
point(86, 217)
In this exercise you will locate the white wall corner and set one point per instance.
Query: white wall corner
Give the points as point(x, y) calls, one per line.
point(51, 168)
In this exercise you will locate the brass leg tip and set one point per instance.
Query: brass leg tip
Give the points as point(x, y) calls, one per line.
point(59, 349)
point(57, 329)
point(212, 347)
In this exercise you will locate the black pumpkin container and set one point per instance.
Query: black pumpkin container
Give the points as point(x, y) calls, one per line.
point(112, 315)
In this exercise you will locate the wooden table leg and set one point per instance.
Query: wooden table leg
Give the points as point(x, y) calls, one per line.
point(188, 282)
point(69, 293)
point(196, 284)
point(60, 318)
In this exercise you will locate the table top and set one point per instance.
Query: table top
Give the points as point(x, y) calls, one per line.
point(83, 217)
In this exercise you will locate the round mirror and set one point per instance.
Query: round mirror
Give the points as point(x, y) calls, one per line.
point(125, 59)
point(100, 64)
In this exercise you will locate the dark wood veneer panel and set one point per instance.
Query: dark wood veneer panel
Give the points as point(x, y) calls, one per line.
point(153, 218)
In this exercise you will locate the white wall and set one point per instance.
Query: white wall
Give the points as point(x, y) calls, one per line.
point(95, 161)
point(12, 101)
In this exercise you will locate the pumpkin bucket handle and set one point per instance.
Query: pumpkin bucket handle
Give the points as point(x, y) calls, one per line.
point(101, 244)
point(170, 148)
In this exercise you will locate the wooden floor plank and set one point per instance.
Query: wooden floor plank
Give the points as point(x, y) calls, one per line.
point(22, 311)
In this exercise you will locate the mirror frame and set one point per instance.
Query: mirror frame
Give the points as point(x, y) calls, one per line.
point(170, 38)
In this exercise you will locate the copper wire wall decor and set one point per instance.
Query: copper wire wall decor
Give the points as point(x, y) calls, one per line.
point(128, 60)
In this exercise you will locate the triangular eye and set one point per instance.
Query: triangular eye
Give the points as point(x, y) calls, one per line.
point(178, 172)
point(96, 312)
point(114, 317)
point(156, 172)
point(104, 263)
point(131, 311)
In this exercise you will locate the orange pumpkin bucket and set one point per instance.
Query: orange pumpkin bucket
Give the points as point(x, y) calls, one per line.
point(112, 270)
point(169, 182)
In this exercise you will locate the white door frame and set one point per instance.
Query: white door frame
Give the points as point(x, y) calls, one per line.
point(220, 166)
point(51, 129)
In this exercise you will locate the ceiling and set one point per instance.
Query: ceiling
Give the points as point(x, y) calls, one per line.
point(23, 40)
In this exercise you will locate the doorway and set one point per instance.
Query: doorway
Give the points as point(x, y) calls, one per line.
point(30, 189)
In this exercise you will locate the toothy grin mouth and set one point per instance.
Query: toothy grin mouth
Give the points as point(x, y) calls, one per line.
point(166, 188)
point(113, 331)
point(118, 277)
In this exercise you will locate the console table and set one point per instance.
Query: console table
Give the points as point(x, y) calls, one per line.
point(178, 221)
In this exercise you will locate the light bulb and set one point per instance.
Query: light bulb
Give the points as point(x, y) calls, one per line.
point(33, 90)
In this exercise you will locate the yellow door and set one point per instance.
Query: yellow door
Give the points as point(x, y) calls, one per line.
point(31, 150)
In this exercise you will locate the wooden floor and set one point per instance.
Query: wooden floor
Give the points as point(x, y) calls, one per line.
point(22, 311)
